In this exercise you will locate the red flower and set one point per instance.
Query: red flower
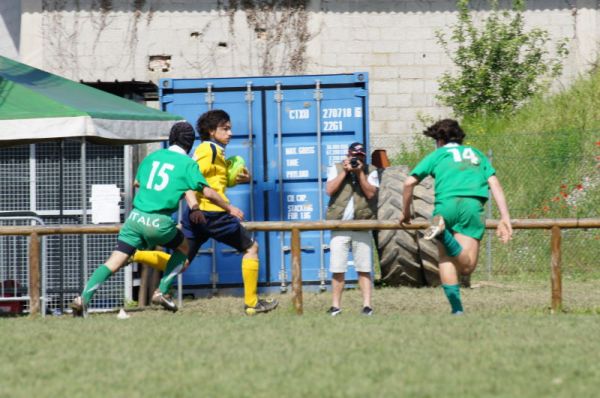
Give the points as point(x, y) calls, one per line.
point(597, 143)
point(546, 208)
point(579, 187)
point(564, 194)
point(556, 198)
point(563, 186)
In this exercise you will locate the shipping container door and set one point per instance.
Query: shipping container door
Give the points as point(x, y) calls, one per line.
point(300, 116)
point(217, 264)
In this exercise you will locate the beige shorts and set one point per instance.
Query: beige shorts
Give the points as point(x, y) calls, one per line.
point(362, 250)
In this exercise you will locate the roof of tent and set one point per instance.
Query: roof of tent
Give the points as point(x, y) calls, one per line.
point(37, 106)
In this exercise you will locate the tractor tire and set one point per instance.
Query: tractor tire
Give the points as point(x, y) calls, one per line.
point(406, 259)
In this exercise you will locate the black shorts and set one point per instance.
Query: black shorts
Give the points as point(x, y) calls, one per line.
point(220, 226)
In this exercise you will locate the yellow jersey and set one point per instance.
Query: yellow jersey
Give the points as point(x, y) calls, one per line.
point(210, 157)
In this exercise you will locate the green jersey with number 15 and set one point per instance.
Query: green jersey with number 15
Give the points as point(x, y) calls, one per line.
point(458, 170)
point(164, 176)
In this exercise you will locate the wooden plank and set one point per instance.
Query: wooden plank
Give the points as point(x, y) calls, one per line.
point(34, 275)
point(297, 273)
point(556, 278)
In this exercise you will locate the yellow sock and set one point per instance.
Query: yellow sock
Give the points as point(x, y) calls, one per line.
point(250, 276)
point(152, 258)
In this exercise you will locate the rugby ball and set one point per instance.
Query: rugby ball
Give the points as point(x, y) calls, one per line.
point(235, 165)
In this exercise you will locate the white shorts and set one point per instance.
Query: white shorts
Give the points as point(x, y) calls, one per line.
point(362, 250)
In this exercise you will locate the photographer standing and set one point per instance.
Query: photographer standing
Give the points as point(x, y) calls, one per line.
point(352, 186)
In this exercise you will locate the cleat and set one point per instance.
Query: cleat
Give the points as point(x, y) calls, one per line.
point(263, 305)
point(79, 308)
point(334, 311)
point(458, 313)
point(436, 228)
point(368, 311)
point(164, 300)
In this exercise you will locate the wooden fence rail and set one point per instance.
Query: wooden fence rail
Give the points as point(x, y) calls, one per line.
point(554, 225)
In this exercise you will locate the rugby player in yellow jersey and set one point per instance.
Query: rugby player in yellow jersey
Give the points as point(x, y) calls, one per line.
point(215, 132)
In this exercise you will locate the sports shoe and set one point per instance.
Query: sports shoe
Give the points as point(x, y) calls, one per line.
point(263, 305)
point(368, 311)
point(79, 308)
point(436, 228)
point(458, 313)
point(334, 311)
point(164, 300)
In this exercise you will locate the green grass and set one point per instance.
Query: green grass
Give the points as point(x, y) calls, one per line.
point(508, 345)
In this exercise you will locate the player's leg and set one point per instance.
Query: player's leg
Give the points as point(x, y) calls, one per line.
point(250, 266)
point(227, 229)
point(449, 279)
point(153, 258)
point(362, 251)
point(466, 261)
point(128, 240)
point(443, 235)
point(176, 261)
point(450, 267)
point(339, 248)
point(117, 259)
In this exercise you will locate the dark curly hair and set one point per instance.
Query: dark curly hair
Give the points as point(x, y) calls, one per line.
point(182, 134)
point(209, 121)
point(447, 130)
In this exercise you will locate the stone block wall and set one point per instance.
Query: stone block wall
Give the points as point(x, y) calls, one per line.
point(394, 41)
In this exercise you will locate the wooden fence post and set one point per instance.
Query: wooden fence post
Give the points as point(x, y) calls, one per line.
point(34, 274)
point(556, 275)
point(296, 272)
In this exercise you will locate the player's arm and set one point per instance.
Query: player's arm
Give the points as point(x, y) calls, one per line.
point(407, 197)
point(504, 230)
point(203, 157)
point(196, 216)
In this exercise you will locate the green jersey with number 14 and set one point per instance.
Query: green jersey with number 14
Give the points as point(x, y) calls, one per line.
point(164, 176)
point(458, 170)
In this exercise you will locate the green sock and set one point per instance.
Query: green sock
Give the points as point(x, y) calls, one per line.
point(453, 294)
point(453, 248)
point(174, 266)
point(99, 276)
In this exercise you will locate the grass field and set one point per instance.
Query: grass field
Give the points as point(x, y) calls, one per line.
point(507, 345)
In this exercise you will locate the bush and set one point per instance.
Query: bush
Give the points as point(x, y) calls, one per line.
point(500, 65)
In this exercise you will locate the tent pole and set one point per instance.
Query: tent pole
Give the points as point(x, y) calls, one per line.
point(60, 215)
point(84, 238)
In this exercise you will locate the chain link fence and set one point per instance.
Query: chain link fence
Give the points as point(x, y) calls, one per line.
point(46, 180)
point(544, 175)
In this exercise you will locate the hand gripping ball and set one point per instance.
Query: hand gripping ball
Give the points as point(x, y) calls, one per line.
point(235, 165)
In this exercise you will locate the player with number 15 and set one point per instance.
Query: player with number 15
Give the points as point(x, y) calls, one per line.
point(163, 178)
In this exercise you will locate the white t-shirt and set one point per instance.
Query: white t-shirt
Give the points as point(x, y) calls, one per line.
point(372, 179)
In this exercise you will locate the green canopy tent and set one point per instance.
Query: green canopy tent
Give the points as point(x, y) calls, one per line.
point(52, 136)
point(37, 106)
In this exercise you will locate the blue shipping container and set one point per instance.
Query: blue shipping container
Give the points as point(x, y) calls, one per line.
point(289, 129)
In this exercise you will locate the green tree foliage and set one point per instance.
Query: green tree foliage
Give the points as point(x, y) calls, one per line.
point(499, 65)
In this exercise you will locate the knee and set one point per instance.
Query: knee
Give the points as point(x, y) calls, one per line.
point(468, 268)
point(253, 250)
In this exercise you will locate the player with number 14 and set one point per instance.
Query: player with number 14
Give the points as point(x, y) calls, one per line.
point(463, 176)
